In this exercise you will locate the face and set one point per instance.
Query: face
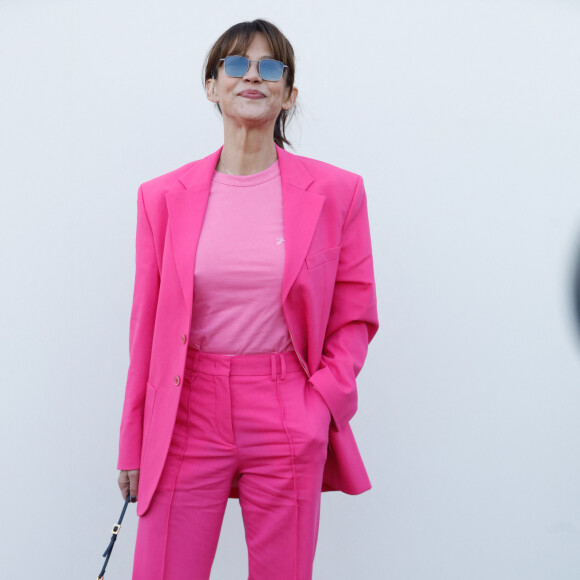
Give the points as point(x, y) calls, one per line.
point(242, 109)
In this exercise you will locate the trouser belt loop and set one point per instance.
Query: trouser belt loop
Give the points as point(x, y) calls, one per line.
point(283, 363)
point(273, 361)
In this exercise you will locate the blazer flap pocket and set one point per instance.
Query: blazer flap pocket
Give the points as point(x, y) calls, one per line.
point(323, 256)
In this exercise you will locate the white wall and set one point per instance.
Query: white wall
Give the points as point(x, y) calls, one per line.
point(463, 117)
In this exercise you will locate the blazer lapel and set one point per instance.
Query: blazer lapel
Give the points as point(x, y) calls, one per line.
point(186, 209)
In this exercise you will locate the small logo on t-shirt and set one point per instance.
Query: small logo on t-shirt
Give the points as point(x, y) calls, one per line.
point(279, 241)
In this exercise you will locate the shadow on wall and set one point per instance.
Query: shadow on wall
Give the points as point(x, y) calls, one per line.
point(576, 289)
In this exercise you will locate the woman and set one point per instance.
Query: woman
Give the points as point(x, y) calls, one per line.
point(253, 307)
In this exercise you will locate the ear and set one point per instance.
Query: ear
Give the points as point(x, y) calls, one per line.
point(211, 91)
point(290, 100)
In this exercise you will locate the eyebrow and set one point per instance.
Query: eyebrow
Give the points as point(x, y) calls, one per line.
point(262, 57)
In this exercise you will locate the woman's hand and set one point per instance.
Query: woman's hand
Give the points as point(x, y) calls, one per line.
point(129, 483)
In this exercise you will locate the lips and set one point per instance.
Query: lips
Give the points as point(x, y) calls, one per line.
point(252, 94)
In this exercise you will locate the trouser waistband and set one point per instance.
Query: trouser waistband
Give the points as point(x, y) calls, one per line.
point(243, 364)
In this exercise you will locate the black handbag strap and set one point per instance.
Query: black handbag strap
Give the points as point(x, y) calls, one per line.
point(115, 533)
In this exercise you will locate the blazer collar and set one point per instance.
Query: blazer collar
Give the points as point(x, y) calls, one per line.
point(292, 170)
point(186, 209)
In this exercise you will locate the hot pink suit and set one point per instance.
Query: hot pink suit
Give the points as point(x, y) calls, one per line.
point(328, 299)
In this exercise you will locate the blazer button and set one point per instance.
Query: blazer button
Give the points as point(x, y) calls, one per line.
point(176, 380)
point(183, 338)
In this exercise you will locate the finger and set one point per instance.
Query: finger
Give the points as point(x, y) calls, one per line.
point(134, 485)
point(124, 487)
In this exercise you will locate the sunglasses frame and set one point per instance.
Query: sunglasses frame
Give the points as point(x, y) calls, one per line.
point(259, 62)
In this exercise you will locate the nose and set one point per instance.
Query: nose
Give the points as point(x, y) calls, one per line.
point(252, 73)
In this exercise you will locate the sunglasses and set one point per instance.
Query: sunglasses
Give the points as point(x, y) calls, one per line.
point(268, 69)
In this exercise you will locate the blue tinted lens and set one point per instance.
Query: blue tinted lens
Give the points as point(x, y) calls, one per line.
point(236, 66)
point(271, 70)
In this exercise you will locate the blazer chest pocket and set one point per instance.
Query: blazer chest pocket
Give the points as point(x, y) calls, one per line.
point(319, 258)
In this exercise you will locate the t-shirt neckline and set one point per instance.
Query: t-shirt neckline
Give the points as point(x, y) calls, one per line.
point(248, 180)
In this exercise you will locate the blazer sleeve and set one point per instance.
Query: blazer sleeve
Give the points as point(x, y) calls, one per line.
point(142, 324)
point(353, 320)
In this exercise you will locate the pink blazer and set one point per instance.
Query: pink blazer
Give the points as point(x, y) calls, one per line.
point(328, 299)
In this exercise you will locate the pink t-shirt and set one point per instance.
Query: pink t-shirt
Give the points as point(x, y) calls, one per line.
point(237, 297)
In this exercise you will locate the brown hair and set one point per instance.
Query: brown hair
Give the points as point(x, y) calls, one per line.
point(235, 40)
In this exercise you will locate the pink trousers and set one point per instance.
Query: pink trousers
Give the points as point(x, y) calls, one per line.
point(254, 418)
